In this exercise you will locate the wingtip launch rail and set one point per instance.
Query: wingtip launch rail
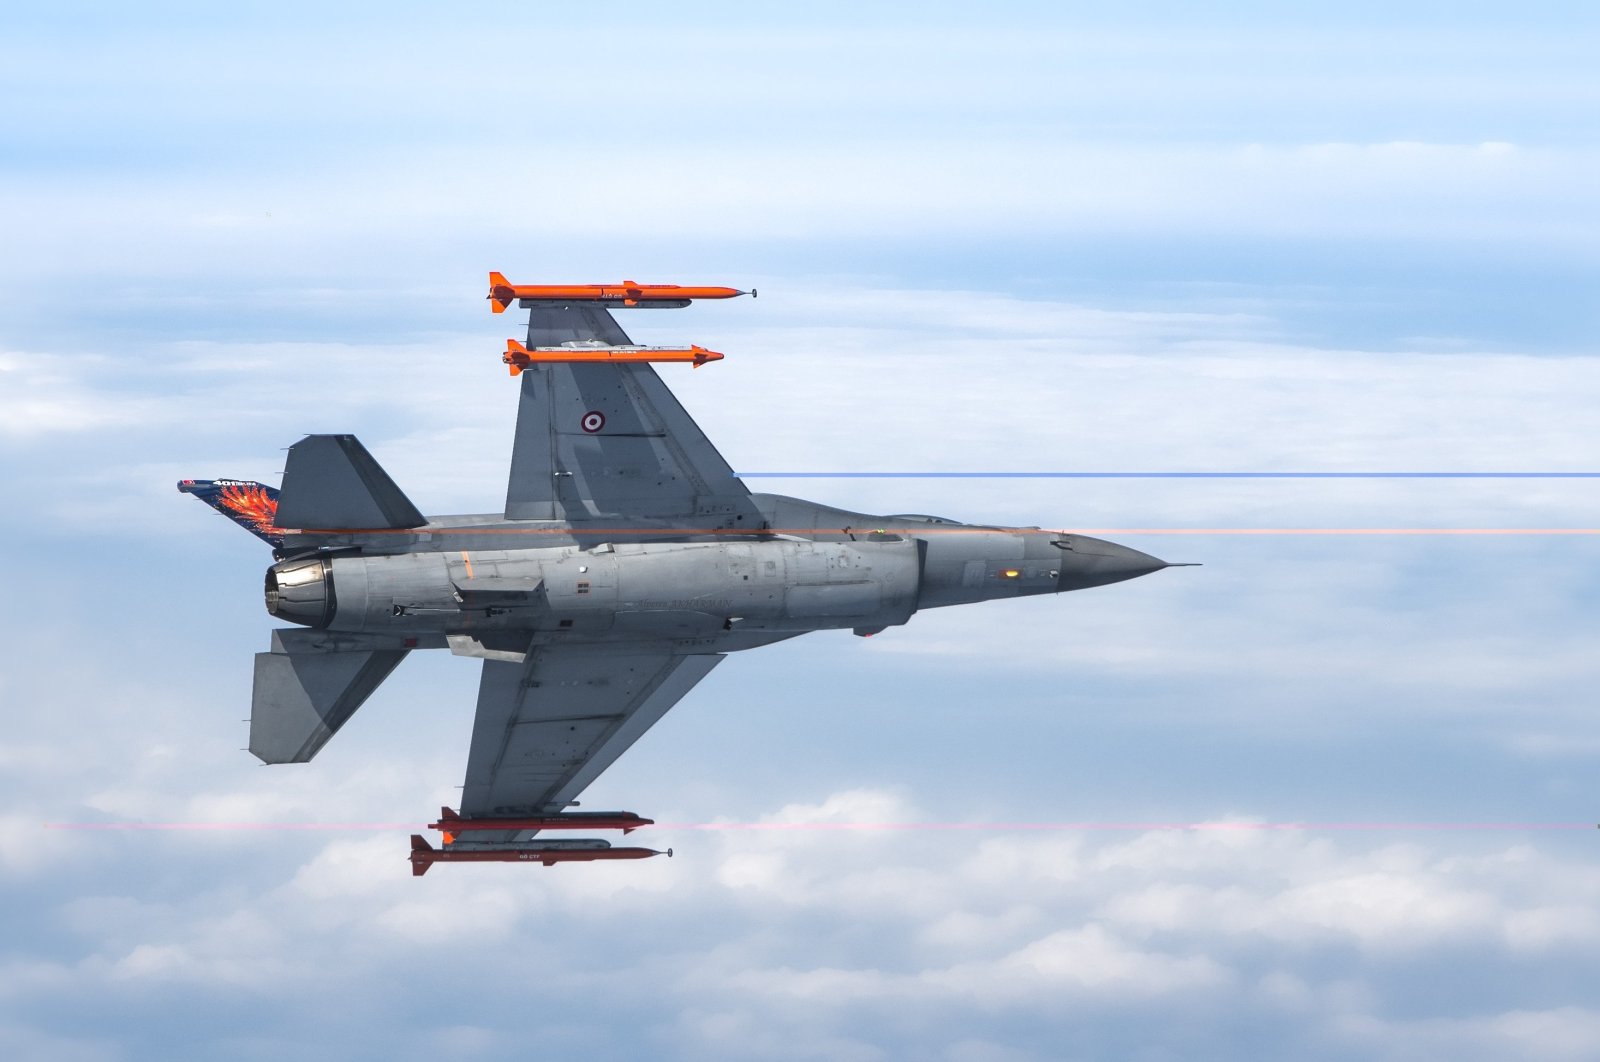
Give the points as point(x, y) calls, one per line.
point(452, 823)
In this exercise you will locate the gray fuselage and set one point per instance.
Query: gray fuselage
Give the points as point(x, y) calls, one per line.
point(812, 568)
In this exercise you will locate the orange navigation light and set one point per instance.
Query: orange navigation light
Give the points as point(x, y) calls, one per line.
point(502, 293)
point(518, 357)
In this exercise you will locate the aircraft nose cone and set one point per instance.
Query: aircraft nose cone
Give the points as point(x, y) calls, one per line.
point(1087, 562)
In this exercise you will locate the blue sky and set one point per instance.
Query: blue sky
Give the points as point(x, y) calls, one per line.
point(1035, 237)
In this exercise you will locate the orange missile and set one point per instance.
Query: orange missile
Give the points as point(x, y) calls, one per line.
point(503, 293)
point(519, 357)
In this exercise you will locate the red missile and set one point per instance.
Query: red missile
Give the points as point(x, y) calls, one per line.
point(503, 293)
point(450, 823)
point(424, 855)
point(519, 357)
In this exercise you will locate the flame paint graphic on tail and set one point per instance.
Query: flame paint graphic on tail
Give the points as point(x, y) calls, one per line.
point(253, 506)
point(251, 502)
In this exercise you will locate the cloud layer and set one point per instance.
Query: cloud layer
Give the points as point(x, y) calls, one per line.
point(1022, 238)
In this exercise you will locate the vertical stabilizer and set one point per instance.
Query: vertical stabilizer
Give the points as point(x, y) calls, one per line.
point(332, 482)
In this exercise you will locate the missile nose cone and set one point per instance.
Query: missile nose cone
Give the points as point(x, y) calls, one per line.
point(1087, 562)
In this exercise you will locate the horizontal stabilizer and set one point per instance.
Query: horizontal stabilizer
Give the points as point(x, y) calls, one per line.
point(332, 482)
point(303, 697)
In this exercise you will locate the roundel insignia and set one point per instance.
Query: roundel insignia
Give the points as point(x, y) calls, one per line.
point(592, 421)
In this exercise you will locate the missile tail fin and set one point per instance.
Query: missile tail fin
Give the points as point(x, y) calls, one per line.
point(515, 357)
point(420, 862)
point(500, 293)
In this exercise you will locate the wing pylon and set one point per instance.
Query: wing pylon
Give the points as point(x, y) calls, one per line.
point(451, 824)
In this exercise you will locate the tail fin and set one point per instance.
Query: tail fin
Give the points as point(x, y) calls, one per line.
point(331, 481)
point(500, 293)
point(253, 506)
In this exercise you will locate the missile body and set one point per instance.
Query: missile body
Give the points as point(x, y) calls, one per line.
point(450, 823)
point(548, 853)
point(518, 357)
point(502, 293)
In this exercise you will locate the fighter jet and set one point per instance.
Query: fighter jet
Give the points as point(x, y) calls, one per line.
point(627, 562)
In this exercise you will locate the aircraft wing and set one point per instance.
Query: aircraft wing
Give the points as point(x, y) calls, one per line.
point(547, 727)
point(609, 445)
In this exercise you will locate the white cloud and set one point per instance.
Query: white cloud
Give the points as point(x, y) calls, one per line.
point(27, 847)
point(39, 395)
point(1059, 968)
point(846, 929)
point(139, 210)
point(759, 921)
point(1079, 388)
point(1088, 961)
point(21, 1043)
point(1009, 189)
point(1558, 1033)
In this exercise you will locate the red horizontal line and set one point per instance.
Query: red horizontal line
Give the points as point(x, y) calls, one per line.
point(230, 826)
point(922, 530)
point(999, 827)
point(1126, 826)
point(1340, 531)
